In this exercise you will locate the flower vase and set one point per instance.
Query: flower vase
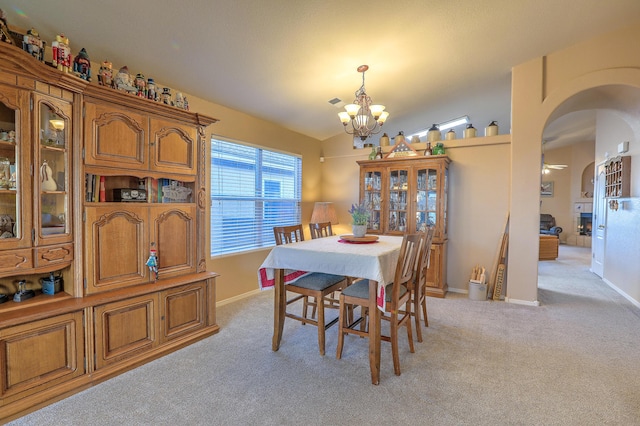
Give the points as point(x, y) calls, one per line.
point(359, 230)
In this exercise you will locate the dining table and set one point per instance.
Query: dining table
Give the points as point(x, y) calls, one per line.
point(340, 255)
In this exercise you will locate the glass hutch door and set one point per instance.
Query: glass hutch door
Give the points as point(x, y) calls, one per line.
point(53, 162)
point(398, 197)
point(426, 198)
point(11, 228)
point(372, 197)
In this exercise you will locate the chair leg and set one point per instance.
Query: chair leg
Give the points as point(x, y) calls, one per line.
point(424, 310)
point(305, 305)
point(315, 305)
point(320, 325)
point(394, 343)
point(416, 313)
point(409, 333)
point(341, 320)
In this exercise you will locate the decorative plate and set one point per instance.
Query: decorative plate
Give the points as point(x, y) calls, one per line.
point(359, 240)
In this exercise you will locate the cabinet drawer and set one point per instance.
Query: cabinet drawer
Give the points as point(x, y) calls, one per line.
point(54, 255)
point(16, 260)
point(125, 328)
point(41, 354)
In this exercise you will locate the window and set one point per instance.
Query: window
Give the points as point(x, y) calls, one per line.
point(252, 190)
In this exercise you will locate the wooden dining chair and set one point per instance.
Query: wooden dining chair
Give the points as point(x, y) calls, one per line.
point(419, 282)
point(316, 285)
point(320, 230)
point(397, 297)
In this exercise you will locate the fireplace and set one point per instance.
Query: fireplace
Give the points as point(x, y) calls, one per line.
point(584, 224)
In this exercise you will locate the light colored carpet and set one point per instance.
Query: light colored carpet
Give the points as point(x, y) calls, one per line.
point(572, 361)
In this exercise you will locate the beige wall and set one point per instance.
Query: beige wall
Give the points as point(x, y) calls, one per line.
point(541, 88)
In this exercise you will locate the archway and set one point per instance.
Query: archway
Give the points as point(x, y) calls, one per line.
point(532, 110)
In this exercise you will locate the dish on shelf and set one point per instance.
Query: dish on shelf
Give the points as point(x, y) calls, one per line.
point(359, 240)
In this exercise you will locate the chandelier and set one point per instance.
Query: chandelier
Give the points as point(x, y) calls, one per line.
point(365, 119)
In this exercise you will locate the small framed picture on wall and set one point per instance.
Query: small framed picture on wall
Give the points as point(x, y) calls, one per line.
point(546, 189)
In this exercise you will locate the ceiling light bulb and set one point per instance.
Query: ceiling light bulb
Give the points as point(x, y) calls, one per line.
point(352, 109)
point(383, 117)
point(376, 110)
point(344, 117)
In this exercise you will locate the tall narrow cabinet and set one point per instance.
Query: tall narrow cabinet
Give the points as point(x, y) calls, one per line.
point(72, 153)
point(406, 195)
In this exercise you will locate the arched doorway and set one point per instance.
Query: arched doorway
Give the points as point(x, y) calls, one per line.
point(612, 90)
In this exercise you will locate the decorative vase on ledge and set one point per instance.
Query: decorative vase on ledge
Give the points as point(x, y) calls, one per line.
point(359, 230)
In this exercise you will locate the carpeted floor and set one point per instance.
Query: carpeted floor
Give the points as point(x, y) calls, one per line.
point(574, 360)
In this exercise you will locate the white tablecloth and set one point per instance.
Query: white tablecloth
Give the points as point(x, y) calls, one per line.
point(376, 261)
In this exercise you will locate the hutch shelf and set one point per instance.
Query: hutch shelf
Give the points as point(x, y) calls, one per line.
point(406, 195)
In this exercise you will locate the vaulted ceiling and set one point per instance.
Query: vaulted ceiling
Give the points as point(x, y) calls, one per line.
point(283, 60)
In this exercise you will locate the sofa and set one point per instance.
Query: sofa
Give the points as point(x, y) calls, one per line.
point(548, 225)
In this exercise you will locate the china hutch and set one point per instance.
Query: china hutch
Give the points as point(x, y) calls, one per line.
point(405, 195)
point(110, 312)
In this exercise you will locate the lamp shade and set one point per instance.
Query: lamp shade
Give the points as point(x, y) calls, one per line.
point(324, 212)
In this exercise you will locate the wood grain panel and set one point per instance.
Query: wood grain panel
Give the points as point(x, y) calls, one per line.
point(183, 310)
point(173, 147)
point(124, 329)
point(42, 353)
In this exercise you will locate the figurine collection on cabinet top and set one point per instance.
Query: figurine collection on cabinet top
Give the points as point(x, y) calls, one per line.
point(82, 65)
point(105, 74)
point(33, 44)
point(61, 53)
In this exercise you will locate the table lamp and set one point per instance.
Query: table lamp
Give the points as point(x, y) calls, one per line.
point(324, 211)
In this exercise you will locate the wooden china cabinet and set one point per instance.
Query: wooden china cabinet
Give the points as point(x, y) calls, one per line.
point(405, 195)
point(112, 313)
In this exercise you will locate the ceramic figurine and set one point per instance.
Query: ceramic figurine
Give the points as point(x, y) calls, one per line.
point(82, 65)
point(46, 178)
point(61, 53)
point(122, 81)
point(6, 226)
point(141, 85)
point(179, 100)
point(166, 96)
point(5, 36)
point(33, 44)
point(151, 90)
point(186, 103)
point(105, 74)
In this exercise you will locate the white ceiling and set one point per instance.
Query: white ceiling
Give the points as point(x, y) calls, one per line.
point(283, 60)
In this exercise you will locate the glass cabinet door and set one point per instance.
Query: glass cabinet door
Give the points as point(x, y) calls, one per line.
point(10, 228)
point(52, 162)
point(398, 197)
point(372, 197)
point(426, 198)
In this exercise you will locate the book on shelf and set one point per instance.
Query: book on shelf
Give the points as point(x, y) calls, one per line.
point(96, 189)
point(102, 197)
point(89, 184)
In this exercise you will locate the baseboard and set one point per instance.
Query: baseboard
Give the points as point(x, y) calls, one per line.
point(522, 302)
point(458, 290)
point(238, 297)
point(625, 295)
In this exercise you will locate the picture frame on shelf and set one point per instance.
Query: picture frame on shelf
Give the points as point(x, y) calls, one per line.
point(546, 189)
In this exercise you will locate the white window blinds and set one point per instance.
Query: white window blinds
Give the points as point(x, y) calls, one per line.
point(252, 190)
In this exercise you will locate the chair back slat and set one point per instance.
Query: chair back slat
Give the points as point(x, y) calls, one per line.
point(320, 230)
point(406, 264)
point(288, 234)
